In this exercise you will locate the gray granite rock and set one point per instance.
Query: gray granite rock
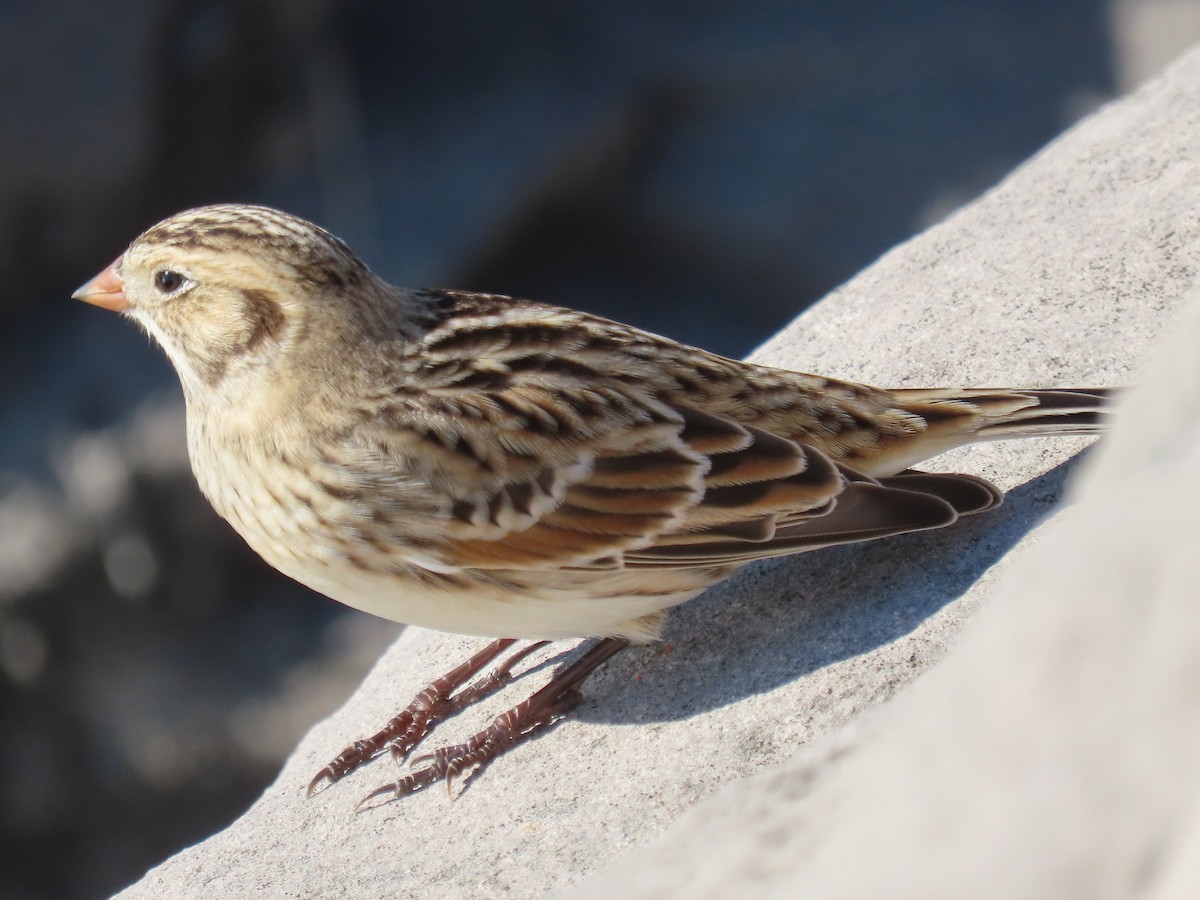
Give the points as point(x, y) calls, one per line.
point(1068, 273)
point(1051, 754)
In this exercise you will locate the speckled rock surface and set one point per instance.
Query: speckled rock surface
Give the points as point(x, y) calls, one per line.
point(1068, 273)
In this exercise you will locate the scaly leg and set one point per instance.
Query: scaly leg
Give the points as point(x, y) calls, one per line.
point(434, 704)
point(522, 722)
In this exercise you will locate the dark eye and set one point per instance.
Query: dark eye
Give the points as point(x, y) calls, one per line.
point(168, 281)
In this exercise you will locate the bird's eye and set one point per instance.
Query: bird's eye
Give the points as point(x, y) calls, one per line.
point(168, 281)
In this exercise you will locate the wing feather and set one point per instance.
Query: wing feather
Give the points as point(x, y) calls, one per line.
point(555, 440)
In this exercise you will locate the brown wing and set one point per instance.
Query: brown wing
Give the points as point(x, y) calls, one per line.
point(541, 438)
point(866, 509)
point(668, 487)
point(700, 480)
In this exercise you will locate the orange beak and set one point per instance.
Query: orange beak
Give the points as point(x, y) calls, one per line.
point(106, 290)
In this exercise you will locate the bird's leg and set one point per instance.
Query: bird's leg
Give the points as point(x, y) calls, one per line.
point(437, 702)
point(525, 720)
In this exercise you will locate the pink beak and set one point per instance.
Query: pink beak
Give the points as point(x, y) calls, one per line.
point(106, 290)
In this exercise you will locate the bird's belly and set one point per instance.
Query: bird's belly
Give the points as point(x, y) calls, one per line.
point(479, 603)
point(395, 580)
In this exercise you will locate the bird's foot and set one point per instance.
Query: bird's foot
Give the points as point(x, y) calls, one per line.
point(434, 704)
point(475, 754)
point(439, 701)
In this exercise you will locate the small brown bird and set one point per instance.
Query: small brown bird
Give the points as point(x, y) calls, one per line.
point(485, 465)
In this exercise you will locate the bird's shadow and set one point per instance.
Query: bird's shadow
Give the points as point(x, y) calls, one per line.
point(780, 620)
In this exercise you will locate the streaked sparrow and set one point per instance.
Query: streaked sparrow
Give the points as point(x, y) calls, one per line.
point(485, 465)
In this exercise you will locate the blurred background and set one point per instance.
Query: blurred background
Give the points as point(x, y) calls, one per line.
point(704, 170)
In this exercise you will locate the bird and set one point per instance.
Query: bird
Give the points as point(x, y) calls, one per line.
point(486, 465)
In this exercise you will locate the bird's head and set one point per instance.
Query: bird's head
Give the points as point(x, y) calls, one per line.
point(230, 286)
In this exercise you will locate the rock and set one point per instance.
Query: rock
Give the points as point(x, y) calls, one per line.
point(1015, 757)
point(1051, 754)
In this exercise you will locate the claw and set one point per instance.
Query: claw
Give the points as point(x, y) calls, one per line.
point(400, 751)
point(326, 774)
point(378, 792)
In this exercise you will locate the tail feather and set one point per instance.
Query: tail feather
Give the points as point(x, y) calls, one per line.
point(1072, 411)
point(1017, 413)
